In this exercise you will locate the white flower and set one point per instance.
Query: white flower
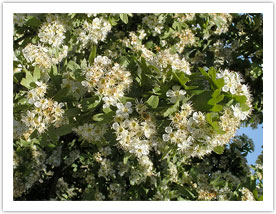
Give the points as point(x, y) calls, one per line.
point(238, 113)
point(168, 130)
point(198, 116)
point(142, 34)
point(109, 101)
point(32, 96)
point(124, 110)
point(175, 94)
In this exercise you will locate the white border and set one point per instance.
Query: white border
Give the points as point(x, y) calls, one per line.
point(10, 8)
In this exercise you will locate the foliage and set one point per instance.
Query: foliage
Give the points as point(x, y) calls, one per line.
point(136, 106)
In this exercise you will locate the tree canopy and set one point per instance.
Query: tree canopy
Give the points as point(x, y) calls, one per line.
point(136, 106)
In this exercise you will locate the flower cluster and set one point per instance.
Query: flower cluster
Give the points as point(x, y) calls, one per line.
point(106, 80)
point(36, 157)
point(43, 56)
point(74, 87)
point(90, 132)
point(224, 20)
point(134, 136)
point(19, 19)
point(131, 107)
point(94, 32)
point(186, 37)
point(233, 84)
point(46, 112)
point(155, 23)
point(52, 31)
point(176, 94)
point(165, 58)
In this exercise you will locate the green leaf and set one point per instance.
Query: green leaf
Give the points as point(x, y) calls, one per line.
point(83, 64)
point(113, 21)
point(126, 99)
point(203, 72)
point(54, 70)
point(217, 108)
point(216, 93)
point(196, 92)
point(260, 198)
point(255, 193)
point(73, 65)
point(186, 192)
point(61, 94)
point(64, 130)
point(98, 117)
point(181, 78)
point(52, 134)
point(200, 102)
point(104, 118)
point(153, 101)
point(33, 22)
point(230, 102)
point(107, 110)
point(171, 109)
point(125, 159)
point(209, 118)
point(217, 128)
point(216, 100)
point(124, 17)
point(27, 80)
point(244, 107)
point(240, 99)
point(55, 77)
point(72, 112)
point(212, 73)
point(20, 108)
point(92, 54)
point(90, 103)
point(36, 75)
point(219, 150)
point(43, 141)
point(219, 83)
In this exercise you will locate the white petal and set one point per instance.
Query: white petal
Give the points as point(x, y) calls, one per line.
point(182, 92)
point(170, 93)
point(128, 105)
point(120, 106)
point(115, 126)
point(166, 137)
point(168, 129)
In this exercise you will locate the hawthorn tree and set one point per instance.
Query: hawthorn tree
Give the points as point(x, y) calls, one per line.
point(136, 106)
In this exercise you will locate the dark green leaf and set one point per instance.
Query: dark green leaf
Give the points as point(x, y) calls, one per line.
point(33, 22)
point(200, 102)
point(64, 130)
point(92, 54)
point(196, 92)
point(62, 93)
